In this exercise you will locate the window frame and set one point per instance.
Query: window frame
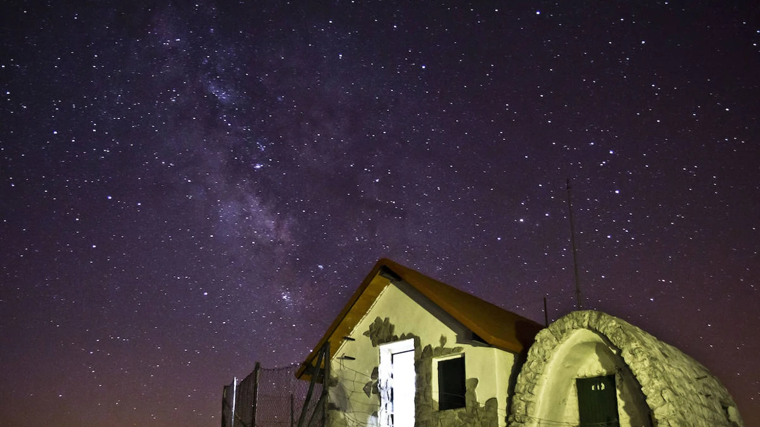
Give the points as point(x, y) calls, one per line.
point(460, 400)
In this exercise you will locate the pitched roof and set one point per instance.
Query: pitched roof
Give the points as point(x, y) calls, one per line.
point(498, 327)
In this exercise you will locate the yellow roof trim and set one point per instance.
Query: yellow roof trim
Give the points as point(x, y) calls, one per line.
point(496, 326)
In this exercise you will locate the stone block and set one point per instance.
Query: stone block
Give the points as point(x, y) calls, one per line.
point(548, 341)
point(668, 395)
point(519, 407)
point(666, 411)
point(654, 399)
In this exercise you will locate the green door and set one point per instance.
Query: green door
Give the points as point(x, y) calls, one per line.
point(597, 401)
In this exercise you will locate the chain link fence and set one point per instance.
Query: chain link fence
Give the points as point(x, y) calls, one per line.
point(272, 397)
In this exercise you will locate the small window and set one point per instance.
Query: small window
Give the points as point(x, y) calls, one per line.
point(451, 383)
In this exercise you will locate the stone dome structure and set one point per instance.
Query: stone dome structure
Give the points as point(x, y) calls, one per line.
point(651, 383)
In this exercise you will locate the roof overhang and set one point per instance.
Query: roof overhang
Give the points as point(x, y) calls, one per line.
point(494, 325)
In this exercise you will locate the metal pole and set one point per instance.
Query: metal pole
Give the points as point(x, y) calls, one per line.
point(292, 410)
point(256, 370)
point(314, 378)
point(234, 400)
point(546, 315)
point(578, 303)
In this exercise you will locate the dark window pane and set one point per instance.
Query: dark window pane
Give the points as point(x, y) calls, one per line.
point(451, 383)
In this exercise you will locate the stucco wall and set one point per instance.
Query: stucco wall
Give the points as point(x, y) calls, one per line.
point(657, 384)
point(399, 313)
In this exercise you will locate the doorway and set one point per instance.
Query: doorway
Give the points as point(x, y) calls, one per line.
point(397, 382)
point(597, 401)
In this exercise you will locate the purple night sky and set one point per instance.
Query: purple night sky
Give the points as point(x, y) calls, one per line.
point(186, 189)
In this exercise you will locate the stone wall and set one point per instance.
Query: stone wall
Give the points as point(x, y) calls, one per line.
point(678, 390)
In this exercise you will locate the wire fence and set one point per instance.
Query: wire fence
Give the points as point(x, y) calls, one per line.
point(271, 397)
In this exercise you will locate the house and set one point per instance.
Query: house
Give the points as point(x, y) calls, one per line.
point(407, 350)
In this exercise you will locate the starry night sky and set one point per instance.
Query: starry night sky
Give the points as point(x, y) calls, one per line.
point(186, 189)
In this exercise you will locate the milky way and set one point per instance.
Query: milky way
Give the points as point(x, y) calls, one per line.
point(188, 189)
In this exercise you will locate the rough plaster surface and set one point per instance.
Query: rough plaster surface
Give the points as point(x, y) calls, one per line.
point(355, 397)
point(381, 331)
point(679, 391)
point(427, 413)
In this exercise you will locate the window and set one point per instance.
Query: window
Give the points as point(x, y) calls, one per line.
point(451, 383)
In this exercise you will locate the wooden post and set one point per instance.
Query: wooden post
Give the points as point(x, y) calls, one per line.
point(326, 384)
point(292, 410)
point(256, 370)
point(546, 315)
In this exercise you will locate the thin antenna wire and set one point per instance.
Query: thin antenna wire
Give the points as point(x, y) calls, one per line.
point(578, 304)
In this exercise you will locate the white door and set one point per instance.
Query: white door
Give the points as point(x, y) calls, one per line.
point(397, 384)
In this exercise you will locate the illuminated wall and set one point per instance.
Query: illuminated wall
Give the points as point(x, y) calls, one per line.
point(656, 383)
point(400, 314)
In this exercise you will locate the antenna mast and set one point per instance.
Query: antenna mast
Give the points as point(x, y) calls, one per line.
point(578, 304)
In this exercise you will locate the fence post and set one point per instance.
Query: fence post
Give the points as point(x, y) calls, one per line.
point(326, 384)
point(314, 377)
point(256, 370)
point(234, 401)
